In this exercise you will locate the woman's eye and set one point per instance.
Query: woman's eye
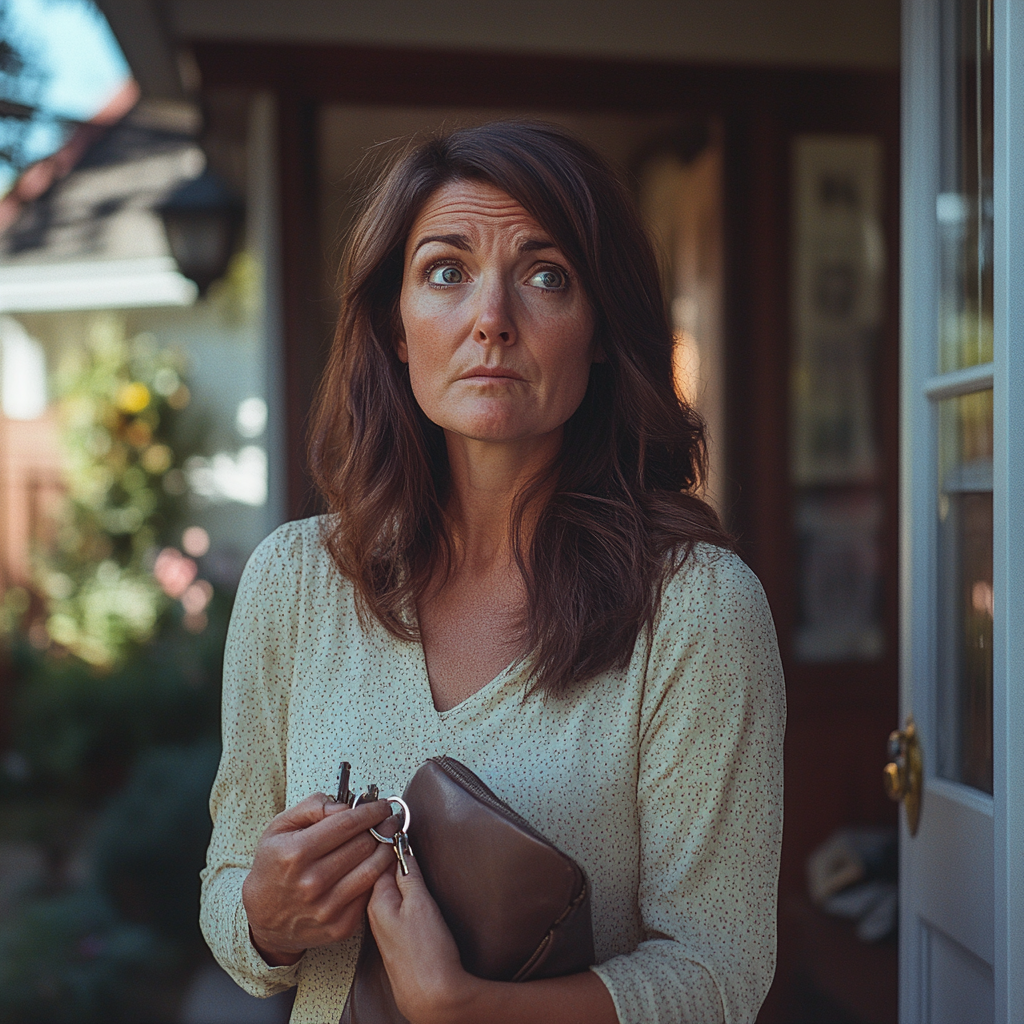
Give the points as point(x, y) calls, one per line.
point(446, 275)
point(549, 279)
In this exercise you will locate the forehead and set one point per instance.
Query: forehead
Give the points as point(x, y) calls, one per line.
point(473, 209)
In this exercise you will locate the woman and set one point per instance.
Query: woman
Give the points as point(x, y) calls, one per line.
point(516, 571)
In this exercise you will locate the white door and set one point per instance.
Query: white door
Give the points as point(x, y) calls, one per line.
point(962, 509)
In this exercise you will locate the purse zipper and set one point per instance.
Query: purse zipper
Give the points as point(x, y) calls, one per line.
point(461, 774)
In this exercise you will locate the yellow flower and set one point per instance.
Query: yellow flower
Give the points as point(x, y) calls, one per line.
point(133, 398)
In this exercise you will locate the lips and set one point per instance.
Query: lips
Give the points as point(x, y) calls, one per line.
point(499, 372)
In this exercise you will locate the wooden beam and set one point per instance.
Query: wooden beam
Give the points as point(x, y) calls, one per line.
point(304, 340)
point(378, 75)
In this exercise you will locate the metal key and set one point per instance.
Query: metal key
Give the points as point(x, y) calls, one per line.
point(401, 845)
point(371, 793)
point(345, 795)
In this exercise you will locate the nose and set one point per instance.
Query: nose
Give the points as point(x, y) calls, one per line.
point(494, 324)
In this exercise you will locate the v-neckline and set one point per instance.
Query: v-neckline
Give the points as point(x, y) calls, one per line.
point(495, 683)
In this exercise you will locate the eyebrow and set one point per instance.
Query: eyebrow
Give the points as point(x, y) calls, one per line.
point(463, 243)
point(458, 241)
point(535, 244)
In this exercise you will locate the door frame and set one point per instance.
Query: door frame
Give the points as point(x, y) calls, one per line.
point(1008, 509)
point(922, 893)
point(997, 822)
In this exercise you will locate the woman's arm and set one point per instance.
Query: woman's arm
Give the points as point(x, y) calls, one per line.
point(251, 784)
point(709, 801)
point(277, 881)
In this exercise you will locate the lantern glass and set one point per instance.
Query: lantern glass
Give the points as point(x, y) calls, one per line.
point(202, 220)
point(200, 243)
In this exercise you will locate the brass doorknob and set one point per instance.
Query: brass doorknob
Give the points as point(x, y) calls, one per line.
point(904, 774)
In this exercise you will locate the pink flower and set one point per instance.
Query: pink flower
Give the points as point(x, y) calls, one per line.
point(174, 572)
point(197, 597)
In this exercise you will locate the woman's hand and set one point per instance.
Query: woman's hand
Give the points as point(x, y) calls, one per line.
point(422, 960)
point(430, 985)
point(311, 876)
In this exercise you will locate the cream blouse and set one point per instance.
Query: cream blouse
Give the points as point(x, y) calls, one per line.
point(663, 779)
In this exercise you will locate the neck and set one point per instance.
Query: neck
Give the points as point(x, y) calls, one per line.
point(486, 480)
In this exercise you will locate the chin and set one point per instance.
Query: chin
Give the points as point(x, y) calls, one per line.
point(489, 433)
point(491, 423)
point(491, 429)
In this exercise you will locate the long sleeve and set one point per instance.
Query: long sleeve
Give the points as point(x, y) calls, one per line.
point(709, 801)
point(250, 787)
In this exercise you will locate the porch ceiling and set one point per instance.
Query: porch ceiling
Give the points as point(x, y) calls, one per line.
point(856, 34)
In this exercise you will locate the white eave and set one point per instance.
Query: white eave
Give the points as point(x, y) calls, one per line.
point(96, 284)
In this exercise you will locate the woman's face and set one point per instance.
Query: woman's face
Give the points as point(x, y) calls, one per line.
point(498, 333)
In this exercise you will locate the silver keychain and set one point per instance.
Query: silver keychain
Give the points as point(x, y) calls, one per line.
point(399, 842)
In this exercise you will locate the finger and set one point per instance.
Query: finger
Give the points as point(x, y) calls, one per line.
point(359, 881)
point(340, 861)
point(349, 918)
point(331, 831)
point(389, 826)
point(413, 883)
point(385, 902)
point(334, 806)
point(304, 814)
point(344, 906)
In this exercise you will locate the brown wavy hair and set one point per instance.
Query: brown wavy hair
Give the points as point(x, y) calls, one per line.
point(622, 504)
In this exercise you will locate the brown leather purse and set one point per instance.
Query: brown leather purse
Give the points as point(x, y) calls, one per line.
point(518, 907)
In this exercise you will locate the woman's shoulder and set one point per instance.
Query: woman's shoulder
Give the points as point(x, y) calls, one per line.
point(292, 555)
point(710, 576)
point(714, 632)
point(291, 540)
point(713, 594)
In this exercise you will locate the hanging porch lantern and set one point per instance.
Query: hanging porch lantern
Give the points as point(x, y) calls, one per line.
point(202, 219)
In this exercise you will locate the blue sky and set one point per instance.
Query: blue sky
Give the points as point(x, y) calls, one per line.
point(83, 66)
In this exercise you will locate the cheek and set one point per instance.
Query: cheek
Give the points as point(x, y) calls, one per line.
point(575, 387)
point(569, 363)
point(427, 365)
point(416, 339)
point(421, 380)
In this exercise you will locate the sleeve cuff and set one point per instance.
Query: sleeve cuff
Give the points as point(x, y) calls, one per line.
point(227, 931)
point(656, 984)
point(256, 976)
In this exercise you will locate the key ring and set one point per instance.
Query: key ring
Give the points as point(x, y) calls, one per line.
point(390, 800)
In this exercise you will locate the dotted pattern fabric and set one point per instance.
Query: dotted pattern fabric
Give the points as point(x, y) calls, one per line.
point(663, 780)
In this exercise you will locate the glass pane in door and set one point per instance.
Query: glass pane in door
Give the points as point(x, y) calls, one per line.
point(966, 605)
point(964, 204)
point(964, 214)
